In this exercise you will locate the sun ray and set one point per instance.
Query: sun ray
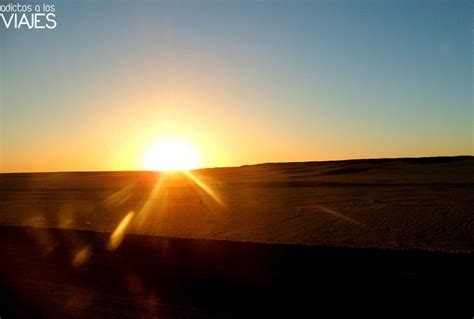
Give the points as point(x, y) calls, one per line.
point(152, 198)
point(204, 187)
point(119, 197)
point(342, 216)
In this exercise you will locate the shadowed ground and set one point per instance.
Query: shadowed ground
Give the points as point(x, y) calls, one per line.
point(157, 277)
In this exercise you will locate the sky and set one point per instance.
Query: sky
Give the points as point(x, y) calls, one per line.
point(242, 82)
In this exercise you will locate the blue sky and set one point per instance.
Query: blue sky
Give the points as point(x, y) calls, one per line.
point(256, 81)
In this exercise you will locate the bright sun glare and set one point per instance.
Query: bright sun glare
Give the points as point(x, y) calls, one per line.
point(170, 156)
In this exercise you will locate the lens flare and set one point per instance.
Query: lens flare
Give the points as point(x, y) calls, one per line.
point(119, 232)
point(81, 257)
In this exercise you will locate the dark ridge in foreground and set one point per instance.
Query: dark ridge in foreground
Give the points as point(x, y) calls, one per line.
point(57, 273)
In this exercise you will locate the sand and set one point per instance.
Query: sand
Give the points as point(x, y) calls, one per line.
point(424, 203)
point(377, 238)
point(58, 273)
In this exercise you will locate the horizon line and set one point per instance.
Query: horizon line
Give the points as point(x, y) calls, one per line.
point(240, 166)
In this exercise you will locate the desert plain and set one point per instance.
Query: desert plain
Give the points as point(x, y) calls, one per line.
point(268, 240)
point(422, 203)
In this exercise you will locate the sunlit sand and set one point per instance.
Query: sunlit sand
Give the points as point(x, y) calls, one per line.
point(417, 203)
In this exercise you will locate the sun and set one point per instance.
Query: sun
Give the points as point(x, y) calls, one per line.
point(170, 155)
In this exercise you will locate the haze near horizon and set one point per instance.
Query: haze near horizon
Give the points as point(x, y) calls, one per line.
point(237, 83)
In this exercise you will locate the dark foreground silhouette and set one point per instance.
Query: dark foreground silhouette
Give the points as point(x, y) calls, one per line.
point(57, 273)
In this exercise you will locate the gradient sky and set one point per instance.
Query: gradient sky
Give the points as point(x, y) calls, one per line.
point(242, 81)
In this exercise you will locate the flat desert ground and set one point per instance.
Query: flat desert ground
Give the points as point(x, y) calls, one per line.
point(268, 240)
point(424, 203)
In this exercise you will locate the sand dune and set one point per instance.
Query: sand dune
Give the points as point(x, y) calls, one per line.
point(424, 203)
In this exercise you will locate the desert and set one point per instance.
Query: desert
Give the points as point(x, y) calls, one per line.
point(279, 240)
point(423, 203)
